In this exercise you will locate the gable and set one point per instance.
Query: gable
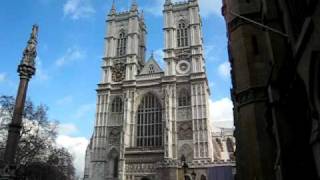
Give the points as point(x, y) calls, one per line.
point(151, 67)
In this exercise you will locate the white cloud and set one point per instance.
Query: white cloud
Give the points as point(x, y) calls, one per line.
point(207, 7)
point(77, 147)
point(221, 113)
point(224, 70)
point(77, 9)
point(3, 77)
point(72, 54)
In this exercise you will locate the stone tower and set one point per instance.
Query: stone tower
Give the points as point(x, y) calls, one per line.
point(123, 59)
point(274, 52)
point(183, 54)
point(250, 75)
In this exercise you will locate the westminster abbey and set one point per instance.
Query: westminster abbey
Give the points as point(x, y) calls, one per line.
point(153, 124)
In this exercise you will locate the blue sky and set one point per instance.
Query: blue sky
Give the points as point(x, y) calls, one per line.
point(71, 43)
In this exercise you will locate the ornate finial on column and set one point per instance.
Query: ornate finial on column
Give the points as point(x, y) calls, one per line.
point(113, 9)
point(27, 65)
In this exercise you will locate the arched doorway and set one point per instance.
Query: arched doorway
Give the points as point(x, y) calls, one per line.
point(145, 178)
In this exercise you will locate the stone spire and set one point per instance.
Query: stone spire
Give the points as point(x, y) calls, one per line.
point(113, 9)
point(142, 16)
point(134, 6)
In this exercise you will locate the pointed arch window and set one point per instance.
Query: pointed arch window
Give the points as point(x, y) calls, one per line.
point(151, 69)
point(122, 44)
point(182, 34)
point(184, 98)
point(117, 105)
point(149, 122)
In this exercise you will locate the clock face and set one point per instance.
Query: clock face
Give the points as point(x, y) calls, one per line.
point(118, 72)
point(183, 67)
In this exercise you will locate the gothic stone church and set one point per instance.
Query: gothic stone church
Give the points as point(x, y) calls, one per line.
point(153, 124)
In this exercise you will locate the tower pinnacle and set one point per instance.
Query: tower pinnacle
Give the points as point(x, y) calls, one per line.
point(167, 2)
point(113, 9)
point(134, 6)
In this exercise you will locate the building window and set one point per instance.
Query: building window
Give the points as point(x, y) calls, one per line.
point(117, 105)
point(184, 98)
point(149, 122)
point(151, 69)
point(122, 44)
point(230, 145)
point(182, 35)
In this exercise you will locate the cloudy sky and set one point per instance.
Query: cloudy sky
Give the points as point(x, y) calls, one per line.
point(70, 49)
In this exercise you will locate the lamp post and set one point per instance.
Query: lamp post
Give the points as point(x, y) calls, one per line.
point(26, 70)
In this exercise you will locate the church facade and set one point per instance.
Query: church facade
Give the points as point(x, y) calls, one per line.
point(152, 123)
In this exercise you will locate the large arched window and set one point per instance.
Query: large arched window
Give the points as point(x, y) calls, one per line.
point(117, 105)
point(182, 34)
point(184, 98)
point(122, 44)
point(149, 122)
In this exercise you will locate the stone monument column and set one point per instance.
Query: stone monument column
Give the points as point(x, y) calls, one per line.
point(26, 70)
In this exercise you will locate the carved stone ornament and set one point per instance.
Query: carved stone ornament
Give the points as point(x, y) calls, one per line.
point(118, 72)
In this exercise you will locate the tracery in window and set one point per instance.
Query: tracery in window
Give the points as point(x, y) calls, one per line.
point(122, 44)
point(184, 98)
point(182, 34)
point(117, 105)
point(149, 122)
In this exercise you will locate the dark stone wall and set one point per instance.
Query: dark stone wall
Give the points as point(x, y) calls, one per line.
point(275, 77)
